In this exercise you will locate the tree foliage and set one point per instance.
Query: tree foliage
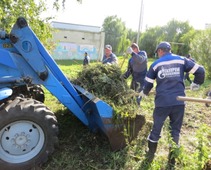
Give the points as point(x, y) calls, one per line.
point(179, 34)
point(201, 51)
point(150, 39)
point(115, 33)
point(10, 10)
point(187, 38)
point(57, 3)
point(132, 35)
point(176, 32)
point(173, 32)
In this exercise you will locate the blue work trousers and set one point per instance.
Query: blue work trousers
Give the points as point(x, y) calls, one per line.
point(160, 114)
point(138, 83)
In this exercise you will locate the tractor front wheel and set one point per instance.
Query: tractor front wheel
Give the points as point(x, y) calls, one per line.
point(28, 134)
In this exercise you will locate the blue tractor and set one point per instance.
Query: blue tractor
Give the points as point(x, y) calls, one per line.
point(28, 129)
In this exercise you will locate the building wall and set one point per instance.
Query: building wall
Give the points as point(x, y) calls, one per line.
point(71, 44)
point(207, 26)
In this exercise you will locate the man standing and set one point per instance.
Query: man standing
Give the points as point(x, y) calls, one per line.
point(86, 60)
point(168, 71)
point(137, 67)
point(186, 77)
point(109, 57)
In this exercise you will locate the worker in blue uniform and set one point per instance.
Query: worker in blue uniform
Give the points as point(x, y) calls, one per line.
point(109, 57)
point(137, 67)
point(86, 60)
point(186, 77)
point(168, 71)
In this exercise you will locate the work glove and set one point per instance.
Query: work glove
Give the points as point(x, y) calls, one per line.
point(107, 63)
point(194, 86)
point(141, 94)
point(129, 50)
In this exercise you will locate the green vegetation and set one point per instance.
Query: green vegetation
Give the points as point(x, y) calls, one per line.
point(31, 10)
point(183, 37)
point(80, 149)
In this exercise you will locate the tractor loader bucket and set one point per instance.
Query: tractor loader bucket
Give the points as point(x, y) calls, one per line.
point(123, 131)
point(100, 115)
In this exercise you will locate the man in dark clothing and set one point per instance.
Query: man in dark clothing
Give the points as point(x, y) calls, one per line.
point(109, 57)
point(168, 71)
point(186, 77)
point(86, 60)
point(137, 67)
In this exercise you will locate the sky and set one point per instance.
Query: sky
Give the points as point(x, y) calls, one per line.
point(154, 12)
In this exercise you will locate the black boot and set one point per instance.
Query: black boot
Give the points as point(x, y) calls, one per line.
point(151, 152)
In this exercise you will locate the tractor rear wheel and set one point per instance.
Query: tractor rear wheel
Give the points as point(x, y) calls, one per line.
point(28, 134)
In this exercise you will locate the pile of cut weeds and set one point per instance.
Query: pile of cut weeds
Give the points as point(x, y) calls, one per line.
point(105, 82)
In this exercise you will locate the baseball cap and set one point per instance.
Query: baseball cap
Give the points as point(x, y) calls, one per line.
point(134, 45)
point(108, 47)
point(163, 45)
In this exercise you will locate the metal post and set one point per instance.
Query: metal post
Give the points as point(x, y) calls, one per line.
point(140, 21)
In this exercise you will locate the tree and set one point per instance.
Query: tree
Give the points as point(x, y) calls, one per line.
point(115, 33)
point(132, 35)
point(57, 3)
point(187, 39)
point(150, 39)
point(174, 30)
point(201, 51)
point(179, 34)
point(10, 10)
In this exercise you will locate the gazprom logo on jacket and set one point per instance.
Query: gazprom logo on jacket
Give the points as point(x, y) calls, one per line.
point(169, 72)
